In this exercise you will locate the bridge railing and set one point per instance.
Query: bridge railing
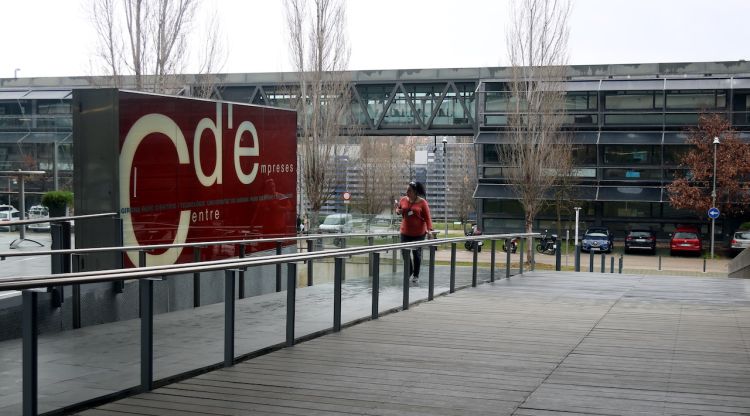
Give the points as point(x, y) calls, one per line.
point(231, 268)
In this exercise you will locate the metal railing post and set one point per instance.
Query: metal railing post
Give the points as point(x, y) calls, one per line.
point(241, 281)
point(407, 273)
point(370, 242)
point(521, 246)
point(310, 249)
point(196, 279)
point(533, 255)
point(146, 289)
point(75, 260)
point(278, 268)
point(507, 259)
point(393, 265)
point(492, 261)
point(30, 353)
point(453, 268)
point(474, 253)
point(228, 318)
point(431, 274)
point(375, 285)
point(338, 271)
point(291, 299)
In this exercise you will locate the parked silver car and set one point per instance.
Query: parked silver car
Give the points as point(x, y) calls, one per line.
point(740, 240)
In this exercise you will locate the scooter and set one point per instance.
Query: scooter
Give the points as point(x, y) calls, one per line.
point(469, 245)
point(513, 245)
point(547, 245)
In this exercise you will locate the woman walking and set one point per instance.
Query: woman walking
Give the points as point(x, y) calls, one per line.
point(415, 222)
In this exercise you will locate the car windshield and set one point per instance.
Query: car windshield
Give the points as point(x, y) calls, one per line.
point(595, 236)
point(5, 208)
point(640, 234)
point(742, 235)
point(331, 220)
point(687, 236)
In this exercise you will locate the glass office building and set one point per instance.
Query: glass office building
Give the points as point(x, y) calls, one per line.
point(627, 122)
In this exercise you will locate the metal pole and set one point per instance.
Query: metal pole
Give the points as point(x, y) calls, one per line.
point(533, 254)
point(278, 268)
point(196, 279)
point(591, 260)
point(521, 244)
point(659, 262)
point(577, 259)
point(241, 284)
point(375, 285)
point(604, 262)
point(407, 273)
point(431, 275)
point(507, 259)
point(228, 318)
point(453, 268)
point(23, 206)
point(558, 257)
point(291, 296)
point(713, 199)
point(445, 191)
point(338, 270)
point(612, 264)
point(30, 353)
point(492, 261)
point(146, 287)
point(475, 247)
point(310, 249)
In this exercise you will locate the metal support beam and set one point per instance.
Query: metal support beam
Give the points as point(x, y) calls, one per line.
point(431, 274)
point(146, 288)
point(492, 260)
point(310, 249)
point(338, 272)
point(196, 279)
point(453, 268)
point(278, 268)
point(228, 318)
point(375, 285)
point(407, 274)
point(241, 281)
point(474, 253)
point(30, 353)
point(291, 299)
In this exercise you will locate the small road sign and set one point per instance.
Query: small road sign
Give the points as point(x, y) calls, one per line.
point(347, 196)
point(713, 213)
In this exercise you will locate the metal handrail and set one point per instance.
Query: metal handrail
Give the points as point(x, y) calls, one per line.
point(58, 219)
point(198, 244)
point(40, 281)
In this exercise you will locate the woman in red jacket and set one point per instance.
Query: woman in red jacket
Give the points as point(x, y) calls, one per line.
point(415, 223)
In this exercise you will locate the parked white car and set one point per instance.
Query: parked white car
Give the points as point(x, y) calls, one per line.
point(38, 212)
point(8, 213)
point(337, 223)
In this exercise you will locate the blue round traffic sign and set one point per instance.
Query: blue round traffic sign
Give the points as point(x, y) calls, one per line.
point(713, 213)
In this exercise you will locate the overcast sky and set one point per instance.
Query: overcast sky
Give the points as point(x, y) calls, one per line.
point(54, 37)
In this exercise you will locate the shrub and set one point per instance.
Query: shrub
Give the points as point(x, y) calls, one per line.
point(56, 200)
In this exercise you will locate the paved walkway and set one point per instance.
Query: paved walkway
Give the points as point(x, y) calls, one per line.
point(94, 361)
point(548, 343)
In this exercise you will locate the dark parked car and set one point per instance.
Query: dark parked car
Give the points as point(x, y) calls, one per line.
point(686, 241)
point(640, 240)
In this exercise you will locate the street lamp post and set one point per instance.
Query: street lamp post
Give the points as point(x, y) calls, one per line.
point(713, 199)
point(445, 173)
point(577, 258)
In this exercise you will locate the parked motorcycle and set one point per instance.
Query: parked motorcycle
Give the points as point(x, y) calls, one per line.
point(513, 245)
point(547, 244)
point(469, 245)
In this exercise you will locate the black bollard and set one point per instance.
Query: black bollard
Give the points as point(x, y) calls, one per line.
point(591, 261)
point(621, 264)
point(659, 262)
point(604, 262)
point(558, 257)
point(612, 264)
point(577, 260)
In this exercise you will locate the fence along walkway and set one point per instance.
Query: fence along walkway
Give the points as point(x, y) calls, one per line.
point(543, 344)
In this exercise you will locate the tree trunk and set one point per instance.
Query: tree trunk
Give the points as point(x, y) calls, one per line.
point(529, 225)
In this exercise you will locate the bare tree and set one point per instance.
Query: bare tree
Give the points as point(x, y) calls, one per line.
point(212, 58)
point(373, 165)
point(537, 50)
point(320, 54)
point(149, 40)
point(461, 195)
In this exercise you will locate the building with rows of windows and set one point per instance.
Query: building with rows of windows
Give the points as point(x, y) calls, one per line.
point(627, 122)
